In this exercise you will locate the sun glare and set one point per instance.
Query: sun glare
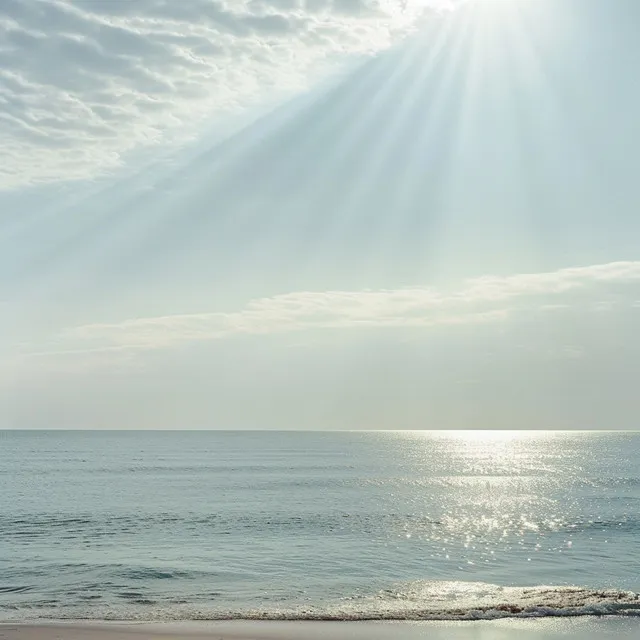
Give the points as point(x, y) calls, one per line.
point(482, 435)
point(488, 435)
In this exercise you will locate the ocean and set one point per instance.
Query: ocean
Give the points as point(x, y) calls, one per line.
point(193, 525)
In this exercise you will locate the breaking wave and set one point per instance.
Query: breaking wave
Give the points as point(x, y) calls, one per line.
point(433, 600)
point(480, 601)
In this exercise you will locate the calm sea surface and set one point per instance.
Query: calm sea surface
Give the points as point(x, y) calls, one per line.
point(199, 525)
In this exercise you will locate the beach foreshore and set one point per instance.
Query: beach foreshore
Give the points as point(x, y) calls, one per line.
point(584, 628)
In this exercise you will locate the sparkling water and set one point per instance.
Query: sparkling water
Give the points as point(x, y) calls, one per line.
point(355, 525)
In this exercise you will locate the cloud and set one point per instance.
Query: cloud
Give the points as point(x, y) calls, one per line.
point(480, 300)
point(84, 82)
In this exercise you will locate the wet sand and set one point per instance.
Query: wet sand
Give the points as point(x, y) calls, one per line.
point(584, 628)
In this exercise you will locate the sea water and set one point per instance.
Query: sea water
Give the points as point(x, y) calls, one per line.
point(295, 525)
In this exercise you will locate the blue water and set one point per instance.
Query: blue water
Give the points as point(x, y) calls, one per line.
point(199, 525)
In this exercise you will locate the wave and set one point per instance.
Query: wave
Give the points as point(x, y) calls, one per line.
point(436, 600)
point(415, 601)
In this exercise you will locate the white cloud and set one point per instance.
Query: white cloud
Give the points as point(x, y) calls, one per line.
point(481, 300)
point(84, 82)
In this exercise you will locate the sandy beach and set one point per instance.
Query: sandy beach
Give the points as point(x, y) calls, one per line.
point(585, 628)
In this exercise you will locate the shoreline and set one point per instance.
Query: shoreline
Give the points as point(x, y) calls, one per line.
point(584, 627)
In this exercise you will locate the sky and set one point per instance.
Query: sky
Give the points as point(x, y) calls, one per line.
point(319, 214)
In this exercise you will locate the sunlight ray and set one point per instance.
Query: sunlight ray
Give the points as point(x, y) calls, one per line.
point(426, 160)
point(422, 62)
point(383, 78)
point(373, 169)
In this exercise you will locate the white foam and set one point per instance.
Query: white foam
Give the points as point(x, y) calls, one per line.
point(435, 600)
point(422, 600)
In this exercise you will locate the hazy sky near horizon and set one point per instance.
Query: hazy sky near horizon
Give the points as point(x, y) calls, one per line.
point(319, 214)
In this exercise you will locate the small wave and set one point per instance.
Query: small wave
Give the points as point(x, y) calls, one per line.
point(467, 601)
point(412, 602)
point(15, 589)
point(149, 573)
point(625, 524)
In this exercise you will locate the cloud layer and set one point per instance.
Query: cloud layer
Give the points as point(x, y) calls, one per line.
point(480, 300)
point(82, 83)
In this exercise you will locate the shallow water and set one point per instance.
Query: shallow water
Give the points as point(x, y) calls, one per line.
point(197, 525)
